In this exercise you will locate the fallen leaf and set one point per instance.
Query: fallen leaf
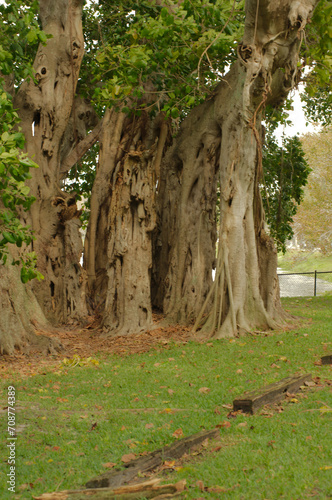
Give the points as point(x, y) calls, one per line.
point(216, 489)
point(200, 485)
point(109, 465)
point(326, 467)
point(239, 371)
point(170, 391)
point(204, 390)
point(149, 426)
point(217, 448)
point(156, 364)
point(169, 464)
point(128, 458)
point(56, 448)
point(294, 400)
point(178, 433)
point(224, 424)
point(93, 426)
point(309, 383)
point(25, 486)
point(180, 485)
point(123, 428)
point(242, 424)
point(233, 414)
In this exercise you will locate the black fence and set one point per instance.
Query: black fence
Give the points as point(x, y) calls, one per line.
point(305, 284)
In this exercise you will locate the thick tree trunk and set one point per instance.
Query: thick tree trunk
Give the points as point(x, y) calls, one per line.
point(118, 251)
point(46, 108)
point(184, 244)
point(245, 293)
point(21, 315)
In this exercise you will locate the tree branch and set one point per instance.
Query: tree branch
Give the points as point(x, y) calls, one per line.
point(80, 150)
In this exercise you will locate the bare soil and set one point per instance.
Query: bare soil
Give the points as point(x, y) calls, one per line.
point(89, 341)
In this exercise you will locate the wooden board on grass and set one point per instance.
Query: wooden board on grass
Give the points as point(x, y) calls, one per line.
point(148, 489)
point(251, 401)
point(327, 360)
point(151, 461)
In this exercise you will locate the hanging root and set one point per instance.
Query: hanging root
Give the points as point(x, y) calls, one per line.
point(213, 321)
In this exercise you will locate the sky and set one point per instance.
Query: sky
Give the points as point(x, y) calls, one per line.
point(298, 119)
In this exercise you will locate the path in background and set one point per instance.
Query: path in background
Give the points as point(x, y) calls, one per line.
point(301, 285)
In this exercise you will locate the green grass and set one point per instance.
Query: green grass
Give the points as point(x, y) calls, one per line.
point(73, 420)
point(296, 261)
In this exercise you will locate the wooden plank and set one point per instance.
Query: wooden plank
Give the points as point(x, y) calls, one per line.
point(148, 489)
point(251, 401)
point(116, 478)
point(327, 360)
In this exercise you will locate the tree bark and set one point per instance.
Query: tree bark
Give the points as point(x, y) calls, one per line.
point(245, 293)
point(46, 109)
point(118, 251)
point(21, 315)
point(184, 243)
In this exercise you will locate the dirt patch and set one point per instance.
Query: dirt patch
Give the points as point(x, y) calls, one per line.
point(89, 341)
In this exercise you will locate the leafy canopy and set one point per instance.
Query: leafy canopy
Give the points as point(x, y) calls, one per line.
point(19, 35)
point(142, 55)
point(286, 172)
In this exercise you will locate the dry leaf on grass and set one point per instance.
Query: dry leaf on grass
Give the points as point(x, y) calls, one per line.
point(200, 485)
point(204, 390)
point(109, 465)
point(178, 433)
point(128, 458)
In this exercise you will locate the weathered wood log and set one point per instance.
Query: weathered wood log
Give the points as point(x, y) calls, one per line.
point(119, 477)
point(251, 401)
point(148, 489)
point(327, 360)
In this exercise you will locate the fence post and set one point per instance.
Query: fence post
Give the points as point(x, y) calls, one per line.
point(315, 286)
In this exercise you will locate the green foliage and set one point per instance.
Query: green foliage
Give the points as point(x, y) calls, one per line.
point(81, 178)
point(19, 37)
point(14, 193)
point(318, 57)
point(285, 174)
point(142, 55)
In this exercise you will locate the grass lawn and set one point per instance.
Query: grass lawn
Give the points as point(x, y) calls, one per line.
point(72, 420)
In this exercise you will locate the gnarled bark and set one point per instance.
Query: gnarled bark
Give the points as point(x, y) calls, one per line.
point(20, 316)
point(118, 252)
point(46, 111)
point(184, 244)
point(245, 292)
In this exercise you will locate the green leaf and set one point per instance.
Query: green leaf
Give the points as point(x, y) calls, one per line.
point(9, 237)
